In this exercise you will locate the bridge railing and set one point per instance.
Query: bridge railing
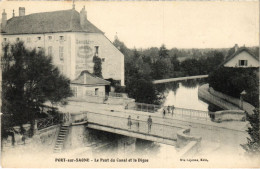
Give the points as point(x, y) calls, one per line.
point(145, 107)
point(175, 111)
point(190, 113)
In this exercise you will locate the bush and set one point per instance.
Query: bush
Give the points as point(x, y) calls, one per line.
point(232, 81)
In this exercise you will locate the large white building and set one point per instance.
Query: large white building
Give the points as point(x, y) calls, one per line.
point(69, 37)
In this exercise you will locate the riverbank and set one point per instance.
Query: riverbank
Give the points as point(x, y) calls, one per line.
point(203, 92)
point(222, 100)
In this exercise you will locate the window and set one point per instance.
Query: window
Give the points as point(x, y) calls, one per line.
point(39, 38)
point(61, 38)
point(96, 91)
point(50, 50)
point(103, 59)
point(28, 40)
point(50, 37)
point(61, 53)
point(242, 62)
point(96, 47)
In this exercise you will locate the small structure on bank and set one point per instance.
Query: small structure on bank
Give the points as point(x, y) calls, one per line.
point(87, 84)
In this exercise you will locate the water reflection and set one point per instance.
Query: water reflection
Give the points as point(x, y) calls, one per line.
point(184, 94)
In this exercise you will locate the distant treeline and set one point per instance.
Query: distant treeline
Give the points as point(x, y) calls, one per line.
point(144, 65)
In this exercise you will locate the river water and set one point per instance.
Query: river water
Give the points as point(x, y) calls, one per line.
point(184, 94)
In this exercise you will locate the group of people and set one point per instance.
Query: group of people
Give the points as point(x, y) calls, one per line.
point(169, 109)
point(149, 123)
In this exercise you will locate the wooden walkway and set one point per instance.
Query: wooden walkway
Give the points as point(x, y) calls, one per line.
point(179, 79)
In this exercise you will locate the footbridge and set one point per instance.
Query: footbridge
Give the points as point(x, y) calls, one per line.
point(134, 122)
point(134, 126)
point(179, 79)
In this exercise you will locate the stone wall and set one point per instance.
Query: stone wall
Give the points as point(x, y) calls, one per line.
point(90, 99)
point(48, 136)
point(120, 101)
point(203, 92)
point(76, 137)
point(246, 106)
point(42, 140)
point(230, 115)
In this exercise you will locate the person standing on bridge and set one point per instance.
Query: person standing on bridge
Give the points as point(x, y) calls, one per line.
point(164, 112)
point(172, 109)
point(149, 122)
point(137, 123)
point(129, 122)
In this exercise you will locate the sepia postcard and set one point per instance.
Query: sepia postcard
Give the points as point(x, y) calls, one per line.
point(130, 84)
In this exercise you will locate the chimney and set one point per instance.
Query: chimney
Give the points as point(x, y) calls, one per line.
point(236, 47)
point(83, 17)
point(4, 19)
point(21, 11)
point(13, 13)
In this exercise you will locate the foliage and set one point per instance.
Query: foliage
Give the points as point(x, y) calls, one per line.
point(97, 66)
point(28, 80)
point(232, 81)
point(252, 146)
point(142, 91)
point(203, 65)
point(159, 63)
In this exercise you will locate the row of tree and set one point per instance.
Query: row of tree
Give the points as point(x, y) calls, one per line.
point(144, 66)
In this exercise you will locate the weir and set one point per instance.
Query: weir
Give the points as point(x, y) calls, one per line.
point(179, 79)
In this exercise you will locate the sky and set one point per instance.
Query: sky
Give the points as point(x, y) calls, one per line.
point(218, 24)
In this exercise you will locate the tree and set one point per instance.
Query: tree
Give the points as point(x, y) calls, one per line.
point(97, 66)
point(29, 80)
point(163, 52)
point(252, 146)
point(142, 91)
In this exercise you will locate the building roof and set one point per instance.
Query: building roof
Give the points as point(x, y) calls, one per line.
point(238, 52)
point(49, 22)
point(90, 80)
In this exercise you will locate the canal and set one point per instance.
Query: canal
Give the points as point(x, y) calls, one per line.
point(184, 94)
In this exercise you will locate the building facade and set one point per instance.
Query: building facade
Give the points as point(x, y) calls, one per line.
point(69, 38)
point(242, 58)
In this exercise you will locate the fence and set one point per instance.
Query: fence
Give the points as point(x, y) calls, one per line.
point(47, 122)
point(190, 113)
point(175, 111)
